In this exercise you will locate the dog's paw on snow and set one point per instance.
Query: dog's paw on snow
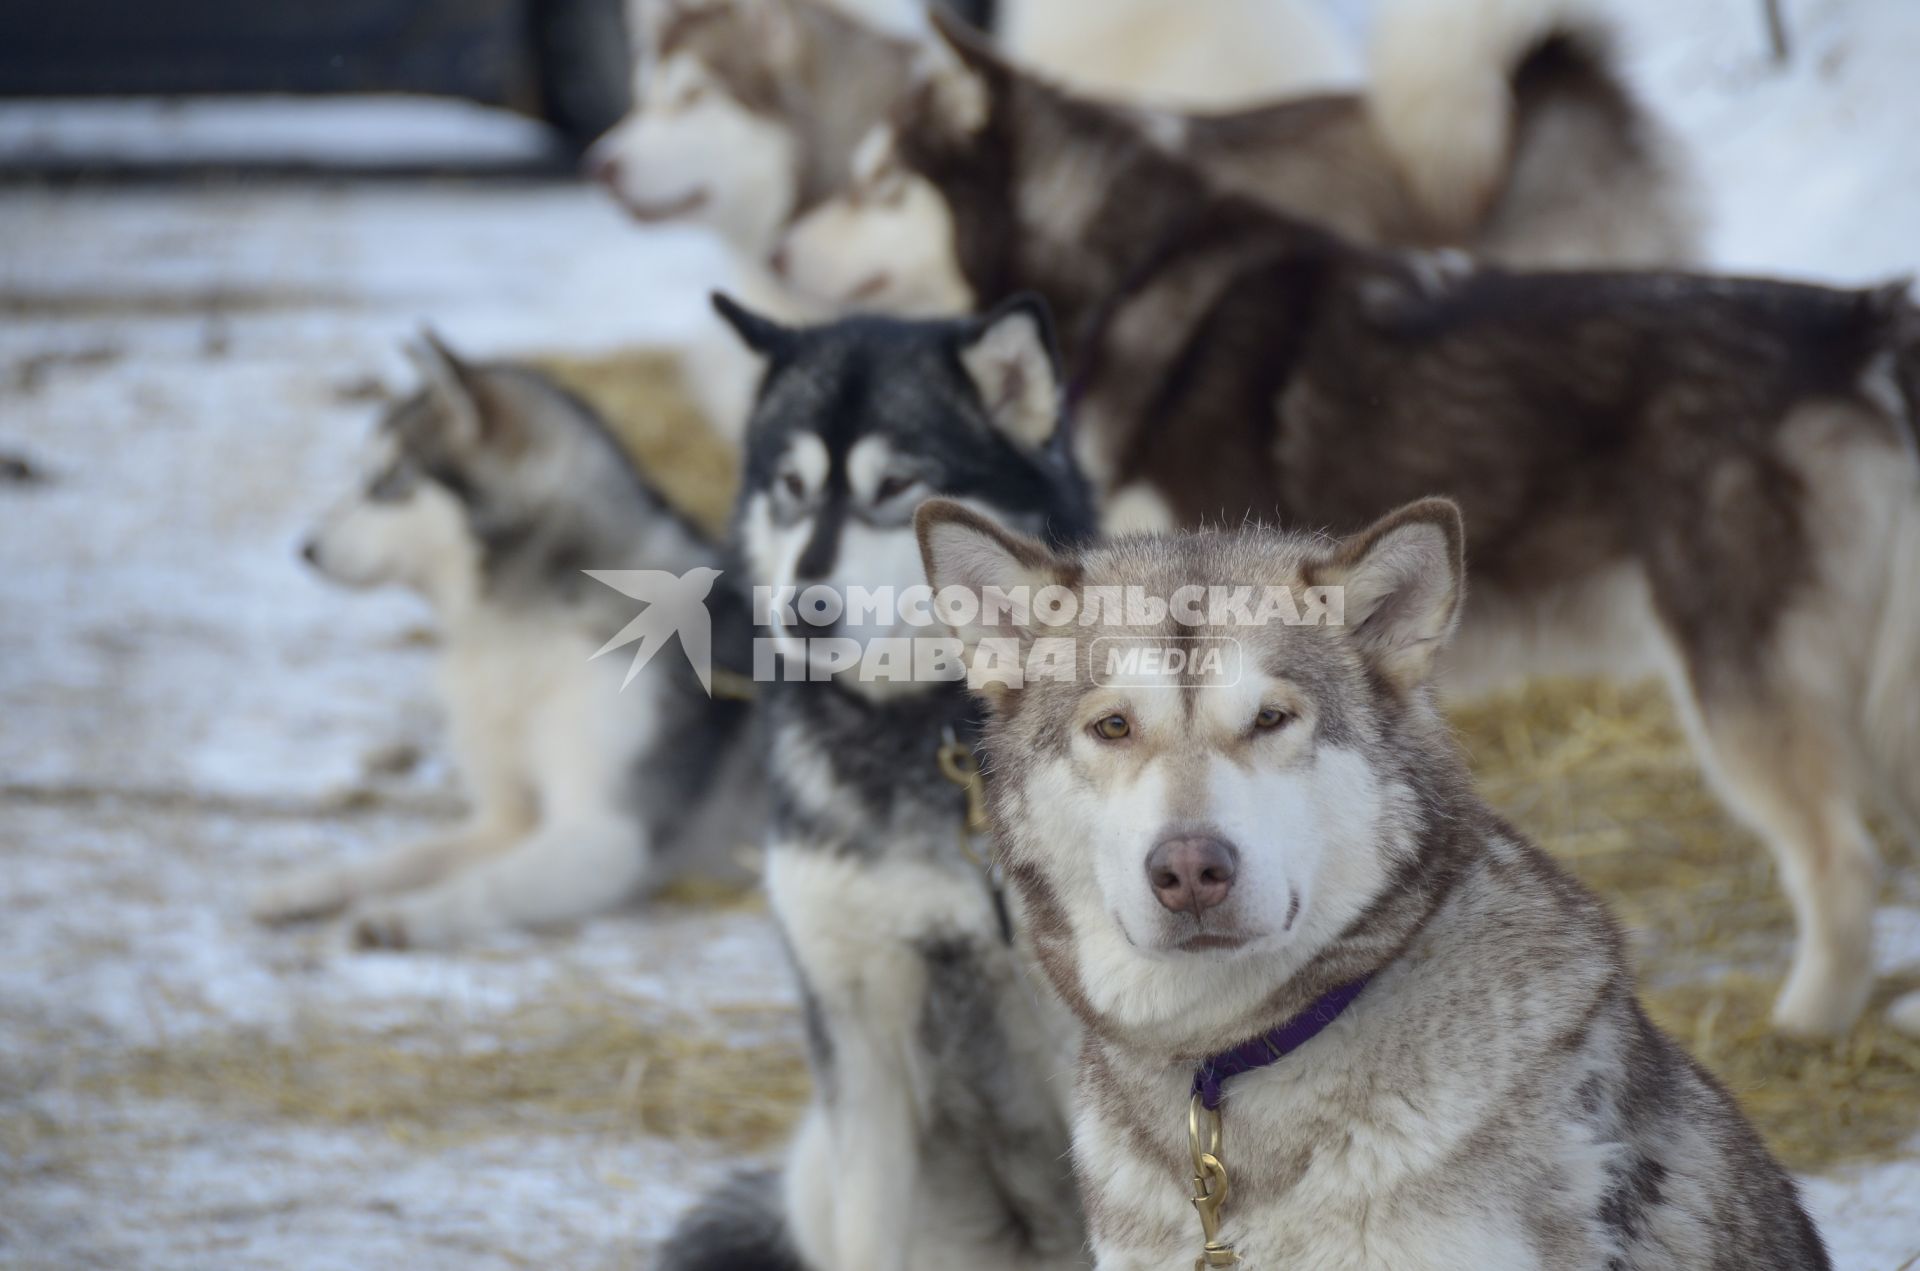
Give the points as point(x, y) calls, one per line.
point(382, 928)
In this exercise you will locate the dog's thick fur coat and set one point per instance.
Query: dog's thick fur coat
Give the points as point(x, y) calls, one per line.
point(490, 492)
point(1495, 1098)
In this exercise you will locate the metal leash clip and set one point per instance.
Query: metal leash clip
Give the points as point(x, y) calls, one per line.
point(961, 766)
point(1209, 1183)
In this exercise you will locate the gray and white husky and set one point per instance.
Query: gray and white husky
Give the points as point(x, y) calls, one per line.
point(490, 492)
point(937, 1134)
point(1268, 888)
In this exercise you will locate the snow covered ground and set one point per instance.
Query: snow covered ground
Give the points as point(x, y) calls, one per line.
point(183, 709)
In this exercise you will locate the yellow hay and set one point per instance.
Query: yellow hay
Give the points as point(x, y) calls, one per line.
point(734, 1078)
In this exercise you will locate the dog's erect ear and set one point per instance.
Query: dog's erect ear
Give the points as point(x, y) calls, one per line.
point(974, 50)
point(450, 381)
point(958, 75)
point(1011, 359)
point(994, 576)
point(1403, 577)
point(761, 334)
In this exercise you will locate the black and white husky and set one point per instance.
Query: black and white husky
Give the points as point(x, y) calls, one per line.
point(938, 1132)
point(491, 491)
point(1271, 895)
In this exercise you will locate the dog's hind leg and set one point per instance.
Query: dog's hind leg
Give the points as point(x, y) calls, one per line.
point(1773, 588)
point(1892, 714)
point(1786, 772)
point(561, 873)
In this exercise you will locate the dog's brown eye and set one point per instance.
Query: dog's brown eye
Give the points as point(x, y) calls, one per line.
point(1271, 717)
point(795, 487)
point(1112, 728)
point(892, 488)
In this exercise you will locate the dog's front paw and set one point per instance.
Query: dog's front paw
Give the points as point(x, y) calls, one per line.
point(414, 923)
point(301, 897)
point(1817, 1007)
point(382, 929)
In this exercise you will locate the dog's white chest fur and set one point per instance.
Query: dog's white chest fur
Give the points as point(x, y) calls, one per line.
point(527, 703)
point(1351, 1200)
point(846, 916)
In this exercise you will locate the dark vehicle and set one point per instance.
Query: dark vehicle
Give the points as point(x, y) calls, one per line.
point(563, 61)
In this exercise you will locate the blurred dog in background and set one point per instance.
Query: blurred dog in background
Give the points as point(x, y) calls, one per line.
point(490, 492)
point(937, 1133)
point(747, 112)
point(1707, 479)
point(986, 173)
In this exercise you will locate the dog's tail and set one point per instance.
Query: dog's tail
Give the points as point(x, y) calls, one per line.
point(740, 1226)
point(1892, 714)
point(1442, 90)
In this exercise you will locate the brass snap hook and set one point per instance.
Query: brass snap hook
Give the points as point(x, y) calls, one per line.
point(961, 766)
point(1210, 1185)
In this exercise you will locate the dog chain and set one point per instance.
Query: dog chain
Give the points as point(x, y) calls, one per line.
point(961, 766)
point(1209, 1183)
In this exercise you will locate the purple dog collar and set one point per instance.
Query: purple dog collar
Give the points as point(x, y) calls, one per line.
point(1270, 1047)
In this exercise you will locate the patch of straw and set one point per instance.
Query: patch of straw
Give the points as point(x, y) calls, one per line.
point(737, 1078)
point(1605, 780)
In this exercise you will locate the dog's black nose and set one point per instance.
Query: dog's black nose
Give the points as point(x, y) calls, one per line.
point(310, 553)
point(1191, 873)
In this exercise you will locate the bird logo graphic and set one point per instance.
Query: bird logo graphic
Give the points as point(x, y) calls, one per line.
point(676, 604)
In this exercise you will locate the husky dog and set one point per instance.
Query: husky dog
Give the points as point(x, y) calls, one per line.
point(490, 492)
point(985, 173)
point(1710, 479)
point(747, 113)
point(1285, 847)
point(938, 1133)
